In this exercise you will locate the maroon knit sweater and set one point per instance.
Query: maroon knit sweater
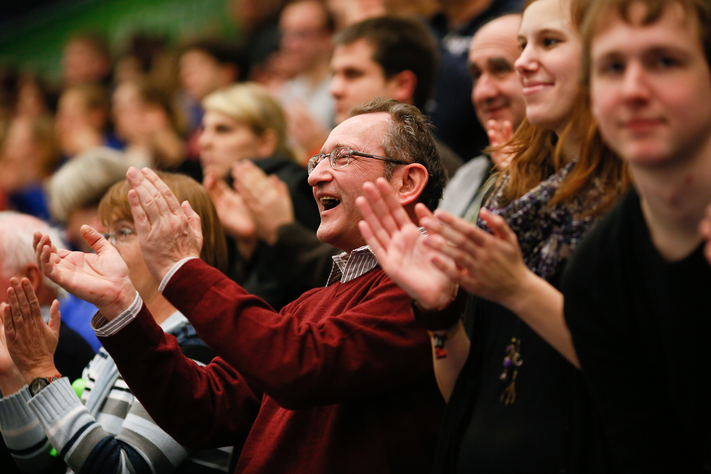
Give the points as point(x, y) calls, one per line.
point(344, 375)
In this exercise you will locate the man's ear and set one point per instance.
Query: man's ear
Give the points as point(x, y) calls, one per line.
point(409, 181)
point(34, 274)
point(402, 86)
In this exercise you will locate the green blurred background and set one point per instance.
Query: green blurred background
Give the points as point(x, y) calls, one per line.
point(33, 39)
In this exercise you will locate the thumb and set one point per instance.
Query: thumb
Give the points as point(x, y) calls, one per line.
point(54, 318)
point(498, 226)
point(96, 241)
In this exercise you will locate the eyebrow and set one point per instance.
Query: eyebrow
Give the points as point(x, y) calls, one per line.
point(655, 50)
point(543, 32)
point(499, 61)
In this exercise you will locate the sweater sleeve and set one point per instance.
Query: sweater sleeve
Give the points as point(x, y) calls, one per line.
point(216, 406)
point(24, 436)
point(319, 350)
point(139, 447)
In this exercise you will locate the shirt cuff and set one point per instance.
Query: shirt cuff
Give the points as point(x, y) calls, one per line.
point(105, 328)
point(171, 272)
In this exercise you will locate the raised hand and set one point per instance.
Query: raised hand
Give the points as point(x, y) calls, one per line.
point(499, 133)
point(100, 278)
point(490, 266)
point(167, 230)
point(233, 212)
point(267, 197)
point(399, 246)
point(30, 342)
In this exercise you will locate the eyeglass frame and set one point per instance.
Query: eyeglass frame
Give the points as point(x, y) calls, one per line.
point(319, 157)
point(125, 231)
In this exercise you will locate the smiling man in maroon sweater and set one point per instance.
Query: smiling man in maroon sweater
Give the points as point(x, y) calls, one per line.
point(340, 381)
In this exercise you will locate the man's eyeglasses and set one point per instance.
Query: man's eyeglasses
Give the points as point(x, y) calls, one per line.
point(340, 157)
point(119, 236)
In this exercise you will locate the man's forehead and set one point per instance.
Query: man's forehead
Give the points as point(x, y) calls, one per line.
point(363, 132)
point(360, 50)
point(673, 27)
point(496, 39)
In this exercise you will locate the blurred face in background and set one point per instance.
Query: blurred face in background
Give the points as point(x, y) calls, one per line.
point(128, 110)
point(497, 92)
point(305, 37)
point(225, 140)
point(201, 74)
point(83, 63)
point(358, 79)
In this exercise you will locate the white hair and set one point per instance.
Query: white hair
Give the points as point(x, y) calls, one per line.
point(84, 180)
point(16, 252)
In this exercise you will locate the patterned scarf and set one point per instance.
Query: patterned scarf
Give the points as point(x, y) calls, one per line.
point(546, 233)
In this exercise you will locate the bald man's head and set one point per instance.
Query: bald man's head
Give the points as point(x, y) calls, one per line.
point(497, 89)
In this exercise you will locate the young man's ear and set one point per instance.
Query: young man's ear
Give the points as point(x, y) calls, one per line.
point(402, 86)
point(409, 181)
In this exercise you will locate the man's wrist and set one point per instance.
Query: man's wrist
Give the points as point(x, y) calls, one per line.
point(120, 304)
point(437, 307)
point(46, 371)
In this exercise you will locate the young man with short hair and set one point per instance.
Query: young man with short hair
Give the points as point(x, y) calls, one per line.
point(636, 290)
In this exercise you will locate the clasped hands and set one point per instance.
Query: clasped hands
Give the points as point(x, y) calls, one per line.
point(455, 251)
point(257, 206)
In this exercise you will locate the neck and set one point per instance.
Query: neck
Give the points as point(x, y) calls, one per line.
point(570, 147)
point(460, 12)
point(674, 199)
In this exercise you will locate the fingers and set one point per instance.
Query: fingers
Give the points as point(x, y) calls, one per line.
point(20, 302)
point(250, 181)
point(393, 205)
point(96, 241)
point(498, 226)
point(507, 130)
point(154, 197)
point(140, 219)
point(379, 236)
point(460, 232)
point(193, 220)
point(423, 213)
point(369, 236)
point(54, 318)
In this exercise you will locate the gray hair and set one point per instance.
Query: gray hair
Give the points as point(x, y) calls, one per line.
point(16, 252)
point(84, 180)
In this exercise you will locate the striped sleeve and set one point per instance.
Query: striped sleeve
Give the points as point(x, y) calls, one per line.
point(122, 439)
point(139, 447)
point(23, 434)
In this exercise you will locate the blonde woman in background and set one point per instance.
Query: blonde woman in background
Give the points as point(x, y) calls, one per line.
point(243, 141)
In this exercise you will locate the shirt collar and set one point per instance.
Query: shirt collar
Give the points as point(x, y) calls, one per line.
point(349, 267)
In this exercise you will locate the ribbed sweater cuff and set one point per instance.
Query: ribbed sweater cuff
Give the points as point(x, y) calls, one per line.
point(52, 403)
point(14, 411)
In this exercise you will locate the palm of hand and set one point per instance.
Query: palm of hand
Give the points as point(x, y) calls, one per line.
point(90, 276)
point(410, 264)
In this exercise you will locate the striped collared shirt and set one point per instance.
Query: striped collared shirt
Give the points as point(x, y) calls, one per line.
point(349, 267)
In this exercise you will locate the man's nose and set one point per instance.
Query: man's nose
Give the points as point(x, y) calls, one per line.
point(321, 173)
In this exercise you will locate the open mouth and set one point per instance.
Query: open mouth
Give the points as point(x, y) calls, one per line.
point(329, 202)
